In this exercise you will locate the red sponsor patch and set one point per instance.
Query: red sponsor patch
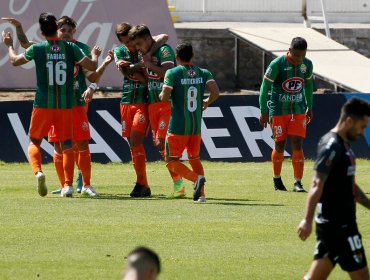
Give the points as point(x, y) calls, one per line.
point(294, 84)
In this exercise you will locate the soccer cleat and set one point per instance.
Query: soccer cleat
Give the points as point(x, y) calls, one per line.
point(278, 184)
point(140, 191)
point(41, 185)
point(201, 199)
point(58, 191)
point(88, 191)
point(198, 186)
point(79, 182)
point(66, 191)
point(298, 187)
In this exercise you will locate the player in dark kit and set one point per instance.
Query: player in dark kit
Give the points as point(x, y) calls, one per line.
point(335, 192)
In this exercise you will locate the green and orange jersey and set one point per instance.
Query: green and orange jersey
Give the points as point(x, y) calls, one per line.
point(80, 80)
point(188, 84)
point(55, 66)
point(133, 92)
point(290, 93)
point(163, 56)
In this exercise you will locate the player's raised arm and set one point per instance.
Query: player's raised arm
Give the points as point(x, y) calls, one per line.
point(15, 59)
point(91, 64)
point(22, 38)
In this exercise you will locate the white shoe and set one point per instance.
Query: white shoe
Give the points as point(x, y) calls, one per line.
point(88, 191)
point(66, 191)
point(201, 199)
point(41, 186)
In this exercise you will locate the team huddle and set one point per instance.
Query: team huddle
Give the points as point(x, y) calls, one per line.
point(152, 97)
point(163, 91)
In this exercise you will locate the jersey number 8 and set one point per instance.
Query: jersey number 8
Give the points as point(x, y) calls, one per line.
point(192, 98)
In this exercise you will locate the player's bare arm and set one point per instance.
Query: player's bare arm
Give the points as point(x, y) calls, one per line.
point(91, 64)
point(22, 38)
point(95, 76)
point(159, 70)
point(212, 87)
point(165, 94)
point(314, 195)
point(361, 198)
point(15, 59)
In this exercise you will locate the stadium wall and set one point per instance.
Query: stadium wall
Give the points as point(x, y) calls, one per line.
point(215, 50)
point(230, 131)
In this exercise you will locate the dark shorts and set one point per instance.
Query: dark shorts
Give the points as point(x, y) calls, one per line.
point(342, 244)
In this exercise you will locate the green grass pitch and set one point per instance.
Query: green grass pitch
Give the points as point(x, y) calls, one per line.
point(246, 230)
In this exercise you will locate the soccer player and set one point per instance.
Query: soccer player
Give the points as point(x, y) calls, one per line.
point(159, 111)
point(334, 191)
point(133, 107)
point(289, 77)
point(142, 264)
point(66, 30)
point(54, 94)
point(185, 84)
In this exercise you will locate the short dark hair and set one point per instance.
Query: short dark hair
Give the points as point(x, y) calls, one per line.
point(139, 31)
point(356, 108)
point(184, 51)
point(298, 43)
point(122, 29)
point(147, 255)
point(48, 24)
point(66, 20)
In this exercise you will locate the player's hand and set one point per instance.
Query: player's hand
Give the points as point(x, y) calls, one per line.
point(309, 115)
point(264, 119)
point(96, 51)
point(147, 60)
point(109, 58)
point(304, 230)
point(7, 38)
point(12, 21)
point(122, 64)
point(88, 94)
point(205, 104)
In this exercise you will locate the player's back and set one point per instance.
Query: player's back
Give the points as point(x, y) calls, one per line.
point(55, 63)
point(189, 84)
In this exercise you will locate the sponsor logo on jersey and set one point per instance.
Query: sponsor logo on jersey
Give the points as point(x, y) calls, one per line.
point(162, 125)
point(288, 68)
point(151, 74)
point(155, 85)
point(294, 84)
point(291, 97)
point(191, 73)
point(303, 68)
point(55, 48)
point(85, 126)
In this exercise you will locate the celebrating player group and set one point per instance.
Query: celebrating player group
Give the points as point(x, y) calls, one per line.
point(168, 102)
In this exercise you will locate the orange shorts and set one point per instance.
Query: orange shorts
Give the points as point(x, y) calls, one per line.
point(288, 125)
point(159, 116)
point(81, 130)
point(134, 117)
point(176, 144)
point(43, 119)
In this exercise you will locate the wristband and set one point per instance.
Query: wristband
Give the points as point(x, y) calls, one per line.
point(93, 86)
